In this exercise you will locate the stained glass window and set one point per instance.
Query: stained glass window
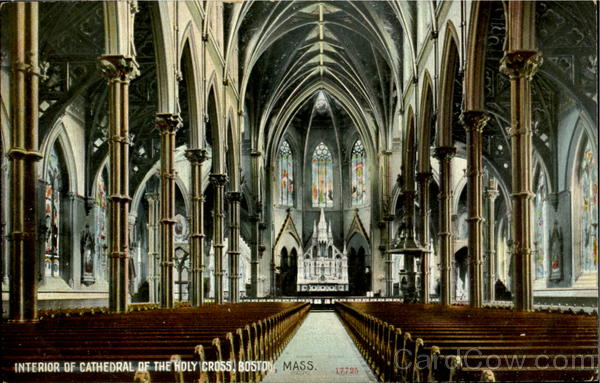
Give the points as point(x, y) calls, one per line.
point(286, 178)
point(322, 177)
point(359, 191)
point(100, 220)
point(540, 228)
point(588, 178)
point(52, 216)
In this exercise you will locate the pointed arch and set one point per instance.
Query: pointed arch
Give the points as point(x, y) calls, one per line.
point(408, 162)
point(450, 67)
point(427, 124)
point(585, 207)
point(212, 128)
point(189, 68)
point(475, 60)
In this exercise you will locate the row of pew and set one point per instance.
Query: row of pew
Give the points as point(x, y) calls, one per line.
point(416, 343)
point(213, 333)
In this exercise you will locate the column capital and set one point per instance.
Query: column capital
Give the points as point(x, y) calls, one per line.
point(520, 64)
point(444, 152)
point(218, 179)
point(474, 119)
point(168, 123)
point(387, 152)
point(196, 156)
point(254, 218)
point(388, 217)
point(424, 177)
point(256, 153)
point(234, 196)
point(409, 194)
point(118, 67)
point(491, 191)
point(152, 196)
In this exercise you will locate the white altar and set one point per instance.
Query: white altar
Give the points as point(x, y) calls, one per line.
point(322, 268)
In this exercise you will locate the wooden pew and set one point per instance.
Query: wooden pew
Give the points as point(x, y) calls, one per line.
point(214, 333)
point(411, 342)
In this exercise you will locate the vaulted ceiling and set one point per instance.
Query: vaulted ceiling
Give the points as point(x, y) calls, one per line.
point(291, 50)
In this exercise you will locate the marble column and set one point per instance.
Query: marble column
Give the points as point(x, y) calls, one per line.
point(491, 192)
point(474, 121)
point(444, 155)
point(23, 156)
point(196, 157)
point(219, 181)
point(119, 71)
point(153, 246)
point(424, 180)
point(168, 124)
point(520, 67)
point(234, 198)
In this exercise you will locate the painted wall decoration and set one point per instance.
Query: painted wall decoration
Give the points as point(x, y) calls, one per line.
point(588, 183)
point(52, 216)
point(540, 228)
point(359, 190)
point(286, 175)
point(322, 177)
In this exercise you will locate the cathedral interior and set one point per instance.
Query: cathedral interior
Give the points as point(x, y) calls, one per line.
point(180, 154)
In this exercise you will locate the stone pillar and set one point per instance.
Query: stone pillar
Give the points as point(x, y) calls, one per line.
point(491, 192)
point(410, 245)
point(153, 246)
point(256, 251)
point(386, 227)
point(254, 255)
point(23, 155)
point(168, 124)
point(119, 71)
point(444, 155)
point(219, 181)
point(424, 179)
point(474, 121)
point(233, 252)
point(196, 157)
point(385, 223)
point(520, 67)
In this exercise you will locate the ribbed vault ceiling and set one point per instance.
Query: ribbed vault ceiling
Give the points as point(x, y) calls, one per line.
point(291, 50)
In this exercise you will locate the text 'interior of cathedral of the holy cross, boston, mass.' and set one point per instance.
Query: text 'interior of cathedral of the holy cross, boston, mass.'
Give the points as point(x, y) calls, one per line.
point(299, 191)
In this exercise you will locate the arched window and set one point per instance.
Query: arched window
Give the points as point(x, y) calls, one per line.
point(540, 227)
point(359, 190)
point(322, 177)
point(100, 220)
point(588, 209)
point(52, 211)
point(286, 177)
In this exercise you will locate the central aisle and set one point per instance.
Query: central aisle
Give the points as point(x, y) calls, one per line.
point(321, 351)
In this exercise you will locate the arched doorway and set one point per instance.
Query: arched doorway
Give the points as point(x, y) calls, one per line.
point(461, 275)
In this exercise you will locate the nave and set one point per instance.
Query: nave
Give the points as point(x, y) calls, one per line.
point(185, 170)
